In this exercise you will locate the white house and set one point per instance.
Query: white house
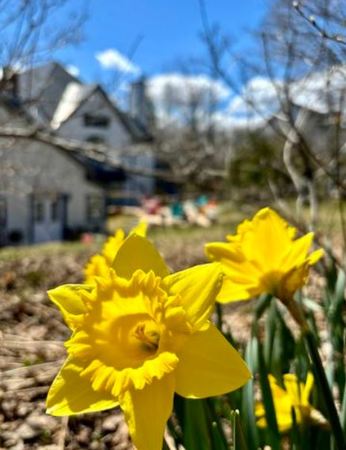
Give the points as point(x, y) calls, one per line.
point(44, 191)
point(48, 191)
point(84, 112)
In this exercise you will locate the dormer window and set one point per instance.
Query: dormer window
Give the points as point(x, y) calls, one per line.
point(96, 120)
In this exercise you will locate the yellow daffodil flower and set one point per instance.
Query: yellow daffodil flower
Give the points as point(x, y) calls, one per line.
point(99, 265)
point(140, 334)
point(263, 257)
point(294, 395)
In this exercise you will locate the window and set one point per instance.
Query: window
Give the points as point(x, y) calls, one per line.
point(96, 120)
point(38, 211)
point(94, 139)
point(95, 208)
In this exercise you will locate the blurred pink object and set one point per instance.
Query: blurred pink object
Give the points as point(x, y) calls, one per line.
point(87, 238)
point(151, 205)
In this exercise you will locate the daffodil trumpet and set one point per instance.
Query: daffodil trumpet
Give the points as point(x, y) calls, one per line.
point(139, 334)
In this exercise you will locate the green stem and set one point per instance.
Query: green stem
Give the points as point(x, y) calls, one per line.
point(327, 396)
point(234, 415)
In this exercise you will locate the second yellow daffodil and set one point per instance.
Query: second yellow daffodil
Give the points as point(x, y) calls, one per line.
point(263, 257)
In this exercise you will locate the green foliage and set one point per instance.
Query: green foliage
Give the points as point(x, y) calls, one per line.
point(255, 160)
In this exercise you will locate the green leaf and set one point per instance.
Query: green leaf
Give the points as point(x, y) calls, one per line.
point(261, 305)
point(248, 403)
point(343, 412)
point(195, 424)
point(272, 431)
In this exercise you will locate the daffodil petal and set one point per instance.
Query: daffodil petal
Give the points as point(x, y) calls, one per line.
point(292, 281)
point(283, 417)
point(198, 287)
point(147, 411)
point(297, 252)
point(138, 253)
point(140, 229)
point(96, 267)
point(231, 291)
point(307, 388)
point(68, 298)
point(293, 388)
point(112, 245)
point(72, 394)
point(209, 366)
point(315, 256)
point(282, 404)
point(284, 421)
point(223, 251)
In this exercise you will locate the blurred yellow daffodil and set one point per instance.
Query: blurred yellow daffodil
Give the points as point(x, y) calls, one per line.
point(99, 265)
point(263, 257)
point(140, 334)
point(294, 396)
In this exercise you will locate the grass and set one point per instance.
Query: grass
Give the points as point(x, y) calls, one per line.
point(13, 253)
point(168, 237)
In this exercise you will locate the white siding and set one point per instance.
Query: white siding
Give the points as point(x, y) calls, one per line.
point(115, 135)
point(30, 167)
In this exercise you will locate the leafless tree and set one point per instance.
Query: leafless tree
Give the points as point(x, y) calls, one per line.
point(31, 30)
point(187, 134)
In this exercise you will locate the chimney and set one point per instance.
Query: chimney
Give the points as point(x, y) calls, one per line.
point(140, 106)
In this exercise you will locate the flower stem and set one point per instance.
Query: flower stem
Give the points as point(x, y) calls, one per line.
point(327, 396)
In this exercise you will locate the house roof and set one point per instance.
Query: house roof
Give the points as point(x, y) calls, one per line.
point(76, 94)
point(40, 89)
point(52, 96)
point(96, 167)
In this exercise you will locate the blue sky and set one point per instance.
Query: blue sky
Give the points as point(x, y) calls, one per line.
point(169, 31)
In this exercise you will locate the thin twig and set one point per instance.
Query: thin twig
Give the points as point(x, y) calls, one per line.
point(322, 31)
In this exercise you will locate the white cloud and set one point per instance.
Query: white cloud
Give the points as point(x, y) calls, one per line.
point(182, 88)
point(260, 97)
point(258, 100)
point(173, 94)
point(321, 91)
point(112, 59)
point(223, 120)
point(73, 70)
